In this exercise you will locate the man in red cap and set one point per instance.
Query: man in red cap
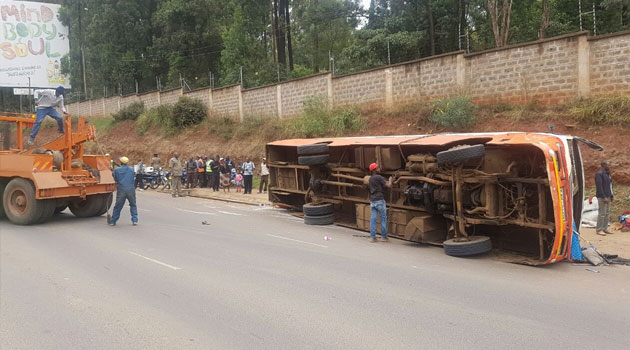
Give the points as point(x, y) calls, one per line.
point(377, 201)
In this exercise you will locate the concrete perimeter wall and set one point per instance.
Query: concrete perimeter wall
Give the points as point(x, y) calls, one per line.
point(549, 71)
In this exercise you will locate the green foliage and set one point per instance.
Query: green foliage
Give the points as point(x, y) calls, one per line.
point(188, 112)
point(614, 110)
point(102, 124)
point(454, 113)
point(156, 117)
point(319, 120)
point(130, 112)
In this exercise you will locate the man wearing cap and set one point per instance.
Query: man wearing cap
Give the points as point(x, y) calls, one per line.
point(176, 168)
point(264, 176)
point(47, 100)
point(377, 201)
point(124, 177)
point(604, 193)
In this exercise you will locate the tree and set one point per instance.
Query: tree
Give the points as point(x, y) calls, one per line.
point(500, 12)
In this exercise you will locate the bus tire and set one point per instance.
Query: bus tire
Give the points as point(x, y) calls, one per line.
point(313, 160)
point(311, 209)
point(315, 148)
point(319, 220)
point(474, 246)
point(460, 154)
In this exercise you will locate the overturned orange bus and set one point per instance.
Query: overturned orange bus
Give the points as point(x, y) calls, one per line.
point(519, 194)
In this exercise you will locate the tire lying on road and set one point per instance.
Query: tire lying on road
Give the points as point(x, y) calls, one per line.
point(313, 160)
point(460, 154)
point(315, 148)
point(474, 246)
point(319, 220)
point(311, 209)
point(93, 205)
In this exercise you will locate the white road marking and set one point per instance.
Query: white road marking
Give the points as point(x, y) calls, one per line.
point(141, 209)
point(297, 240)
point(156, 261)
point(210, 207)
point(229, 213)
point(196, 212)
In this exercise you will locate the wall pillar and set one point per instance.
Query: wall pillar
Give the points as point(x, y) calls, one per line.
point(331, 100)
point(90, 102)
point(461, 72)
point(389, 98)
point(584, 64)
point(104, 110)
point(279, 99)
point(118, 103)
point(241, 117)
point(210, 103)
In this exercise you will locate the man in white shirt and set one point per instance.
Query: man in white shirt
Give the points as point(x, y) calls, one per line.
point(264, 176)
point(47, 100)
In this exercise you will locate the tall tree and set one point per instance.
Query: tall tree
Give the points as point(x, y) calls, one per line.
point(500, 12)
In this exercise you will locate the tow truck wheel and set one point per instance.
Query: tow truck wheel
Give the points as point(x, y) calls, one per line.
point(107, 202)
point(20, 204)
point(92, 206)
point(2, 186)
point(474, 246)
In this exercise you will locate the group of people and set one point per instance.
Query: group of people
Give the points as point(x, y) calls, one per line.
point(216, 173)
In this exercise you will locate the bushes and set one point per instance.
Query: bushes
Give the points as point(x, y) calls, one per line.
point(160, 117)
point(319, 120)
point(130, 112)
point(171, 118)
point(456, 112)
point(188, 112)
point(613, 110)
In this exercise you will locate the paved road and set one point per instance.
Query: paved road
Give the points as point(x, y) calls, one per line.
point(257, 278)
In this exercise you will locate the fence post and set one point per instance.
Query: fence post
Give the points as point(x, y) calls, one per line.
point(210, 102)
point(329, 85)
point(240, 103)
point(461, 71)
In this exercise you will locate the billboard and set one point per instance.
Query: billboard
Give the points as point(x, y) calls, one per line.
point(32, 43)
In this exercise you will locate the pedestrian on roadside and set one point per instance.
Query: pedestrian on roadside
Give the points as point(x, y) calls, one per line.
point(225, 175)
point(216, 174)
point(46, 102)
point(209, 173)
point(138, 169)
point(126, 191)
point(176, 169)
point(156, 163)
point(191, 172)
point(239, 181)
point(264, 176)
point(248, 174)
point(201, 171)
point(604, 194)
point(377, 201)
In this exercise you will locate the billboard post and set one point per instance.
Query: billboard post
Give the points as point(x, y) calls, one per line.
point(32, 43)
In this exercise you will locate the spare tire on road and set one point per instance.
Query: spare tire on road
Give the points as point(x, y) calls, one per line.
point(474, 246)
point(314, 160)
point(318, 209)
point(460, 154)
point(319, 220)
point(315, 148)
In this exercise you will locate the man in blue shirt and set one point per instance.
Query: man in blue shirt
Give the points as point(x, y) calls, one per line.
point(124, 177)
point(248, 175)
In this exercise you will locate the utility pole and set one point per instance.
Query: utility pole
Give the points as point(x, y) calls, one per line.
point(389, 56)
point(136, 86)
point(241, 77)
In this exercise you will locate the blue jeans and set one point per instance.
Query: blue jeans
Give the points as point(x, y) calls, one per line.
point(41, 115)
point(121, 196)
point(378, 207)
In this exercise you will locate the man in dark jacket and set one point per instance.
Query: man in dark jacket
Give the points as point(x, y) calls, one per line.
point(377, 201)
point(604, 194)
point(216, 175)
point(124, 177)
point(191, 172)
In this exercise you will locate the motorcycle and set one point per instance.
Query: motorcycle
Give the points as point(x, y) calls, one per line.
point(150, 178)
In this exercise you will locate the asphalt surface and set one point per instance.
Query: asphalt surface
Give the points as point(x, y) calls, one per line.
point(258, 278)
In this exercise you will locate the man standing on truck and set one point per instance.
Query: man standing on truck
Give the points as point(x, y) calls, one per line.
point(604, 194)
point(175, 166)
point(47, 100)
point(124, 177)
point(377, 202)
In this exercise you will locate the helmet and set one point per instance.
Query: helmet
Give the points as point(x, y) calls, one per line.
point(373, 166)
point(124, 160)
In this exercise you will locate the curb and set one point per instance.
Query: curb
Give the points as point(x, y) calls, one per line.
point(232, 201)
